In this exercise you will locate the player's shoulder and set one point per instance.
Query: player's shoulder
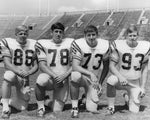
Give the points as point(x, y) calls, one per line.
point(144, 43)
point(80, 41)
point(43, 41)
point(32, 41)
point(68, 40)
point(118, 43)
point(8, 41)
point(103, 41)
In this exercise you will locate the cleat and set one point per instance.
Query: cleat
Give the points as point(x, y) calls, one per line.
point(75, 113)
point(41, 112)
point(5, 114)
point(110, 111)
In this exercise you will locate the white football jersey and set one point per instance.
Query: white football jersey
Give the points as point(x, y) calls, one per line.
point(91, 57)
point(130, 60)
point(21, 56)
point(57, 56)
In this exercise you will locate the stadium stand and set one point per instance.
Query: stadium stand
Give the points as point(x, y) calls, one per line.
point(111, 24)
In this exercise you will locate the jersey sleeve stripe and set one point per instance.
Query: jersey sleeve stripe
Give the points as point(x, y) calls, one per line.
point(39, 46)
point(114, 60)
point(77, 58)
point(5, 43)
point(74, 44)
point(41, 60)
point(148, 52)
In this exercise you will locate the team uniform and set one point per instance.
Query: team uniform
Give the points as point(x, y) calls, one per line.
point(57, 57)
point(130, 62)
point(22, 57)
point(90, 59)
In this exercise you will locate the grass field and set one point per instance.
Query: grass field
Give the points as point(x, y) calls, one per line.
point(121, 112)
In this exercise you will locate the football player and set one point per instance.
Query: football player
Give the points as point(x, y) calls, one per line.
point(90, 67)
point(129, 67)
point(54, 62)
point(20, 62)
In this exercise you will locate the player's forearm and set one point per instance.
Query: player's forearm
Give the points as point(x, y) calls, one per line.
point(144, 76)
point(81, 70)
point(114, 70)
point(68, 72)
point(33, 70)
point(104, 71)
point(11, 67)
point(46, 69)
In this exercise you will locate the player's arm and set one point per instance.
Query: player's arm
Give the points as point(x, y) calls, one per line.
point(8, 65)
point(34, 68)
point(114, 70)
point(114, 59)
point(76, 66)
point(46, 69)
point(105, 65)
point(144, 75)
point(104, 71)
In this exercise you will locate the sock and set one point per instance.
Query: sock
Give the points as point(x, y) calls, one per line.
point(111, 102)
point(5, 102)
point(74, 103)
point(41, 104)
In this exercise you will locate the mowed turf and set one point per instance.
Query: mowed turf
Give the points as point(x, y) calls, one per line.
point(121, 112)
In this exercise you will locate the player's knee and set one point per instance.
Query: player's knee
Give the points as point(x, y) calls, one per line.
point(112, 80)
point(9, 76)
point(58, 105)
point(42, 79)
point(91, 106)
point(75, 77)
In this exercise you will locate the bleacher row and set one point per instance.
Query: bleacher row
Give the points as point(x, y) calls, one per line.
point(110, 24)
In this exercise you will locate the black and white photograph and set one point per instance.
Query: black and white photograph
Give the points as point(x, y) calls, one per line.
point(75, 59)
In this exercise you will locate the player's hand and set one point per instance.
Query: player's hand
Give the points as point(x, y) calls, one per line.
point(142, 93)
point(23, 73)
point(93, 78)
point(59, 81)
point(123, 81)
point(98, 87)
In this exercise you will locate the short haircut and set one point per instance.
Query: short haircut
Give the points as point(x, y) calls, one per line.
point(21, 28)
point(132, 28)
point(90, 28)
point(57, 25)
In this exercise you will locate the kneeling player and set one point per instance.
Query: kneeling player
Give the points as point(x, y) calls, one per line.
point(88, 55)
point(129, 64)
point(54, 61)
point(20, 62)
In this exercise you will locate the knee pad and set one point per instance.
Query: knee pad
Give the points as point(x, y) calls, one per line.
point(112, 80)
point(58, 105)
point(91, 106)
point(9, 76)
point(75, 77)
point(42, 79)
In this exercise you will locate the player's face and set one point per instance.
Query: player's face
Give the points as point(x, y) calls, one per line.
point(91, 38)
point(22, 36)
point(133, 36)
point(57, 35)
